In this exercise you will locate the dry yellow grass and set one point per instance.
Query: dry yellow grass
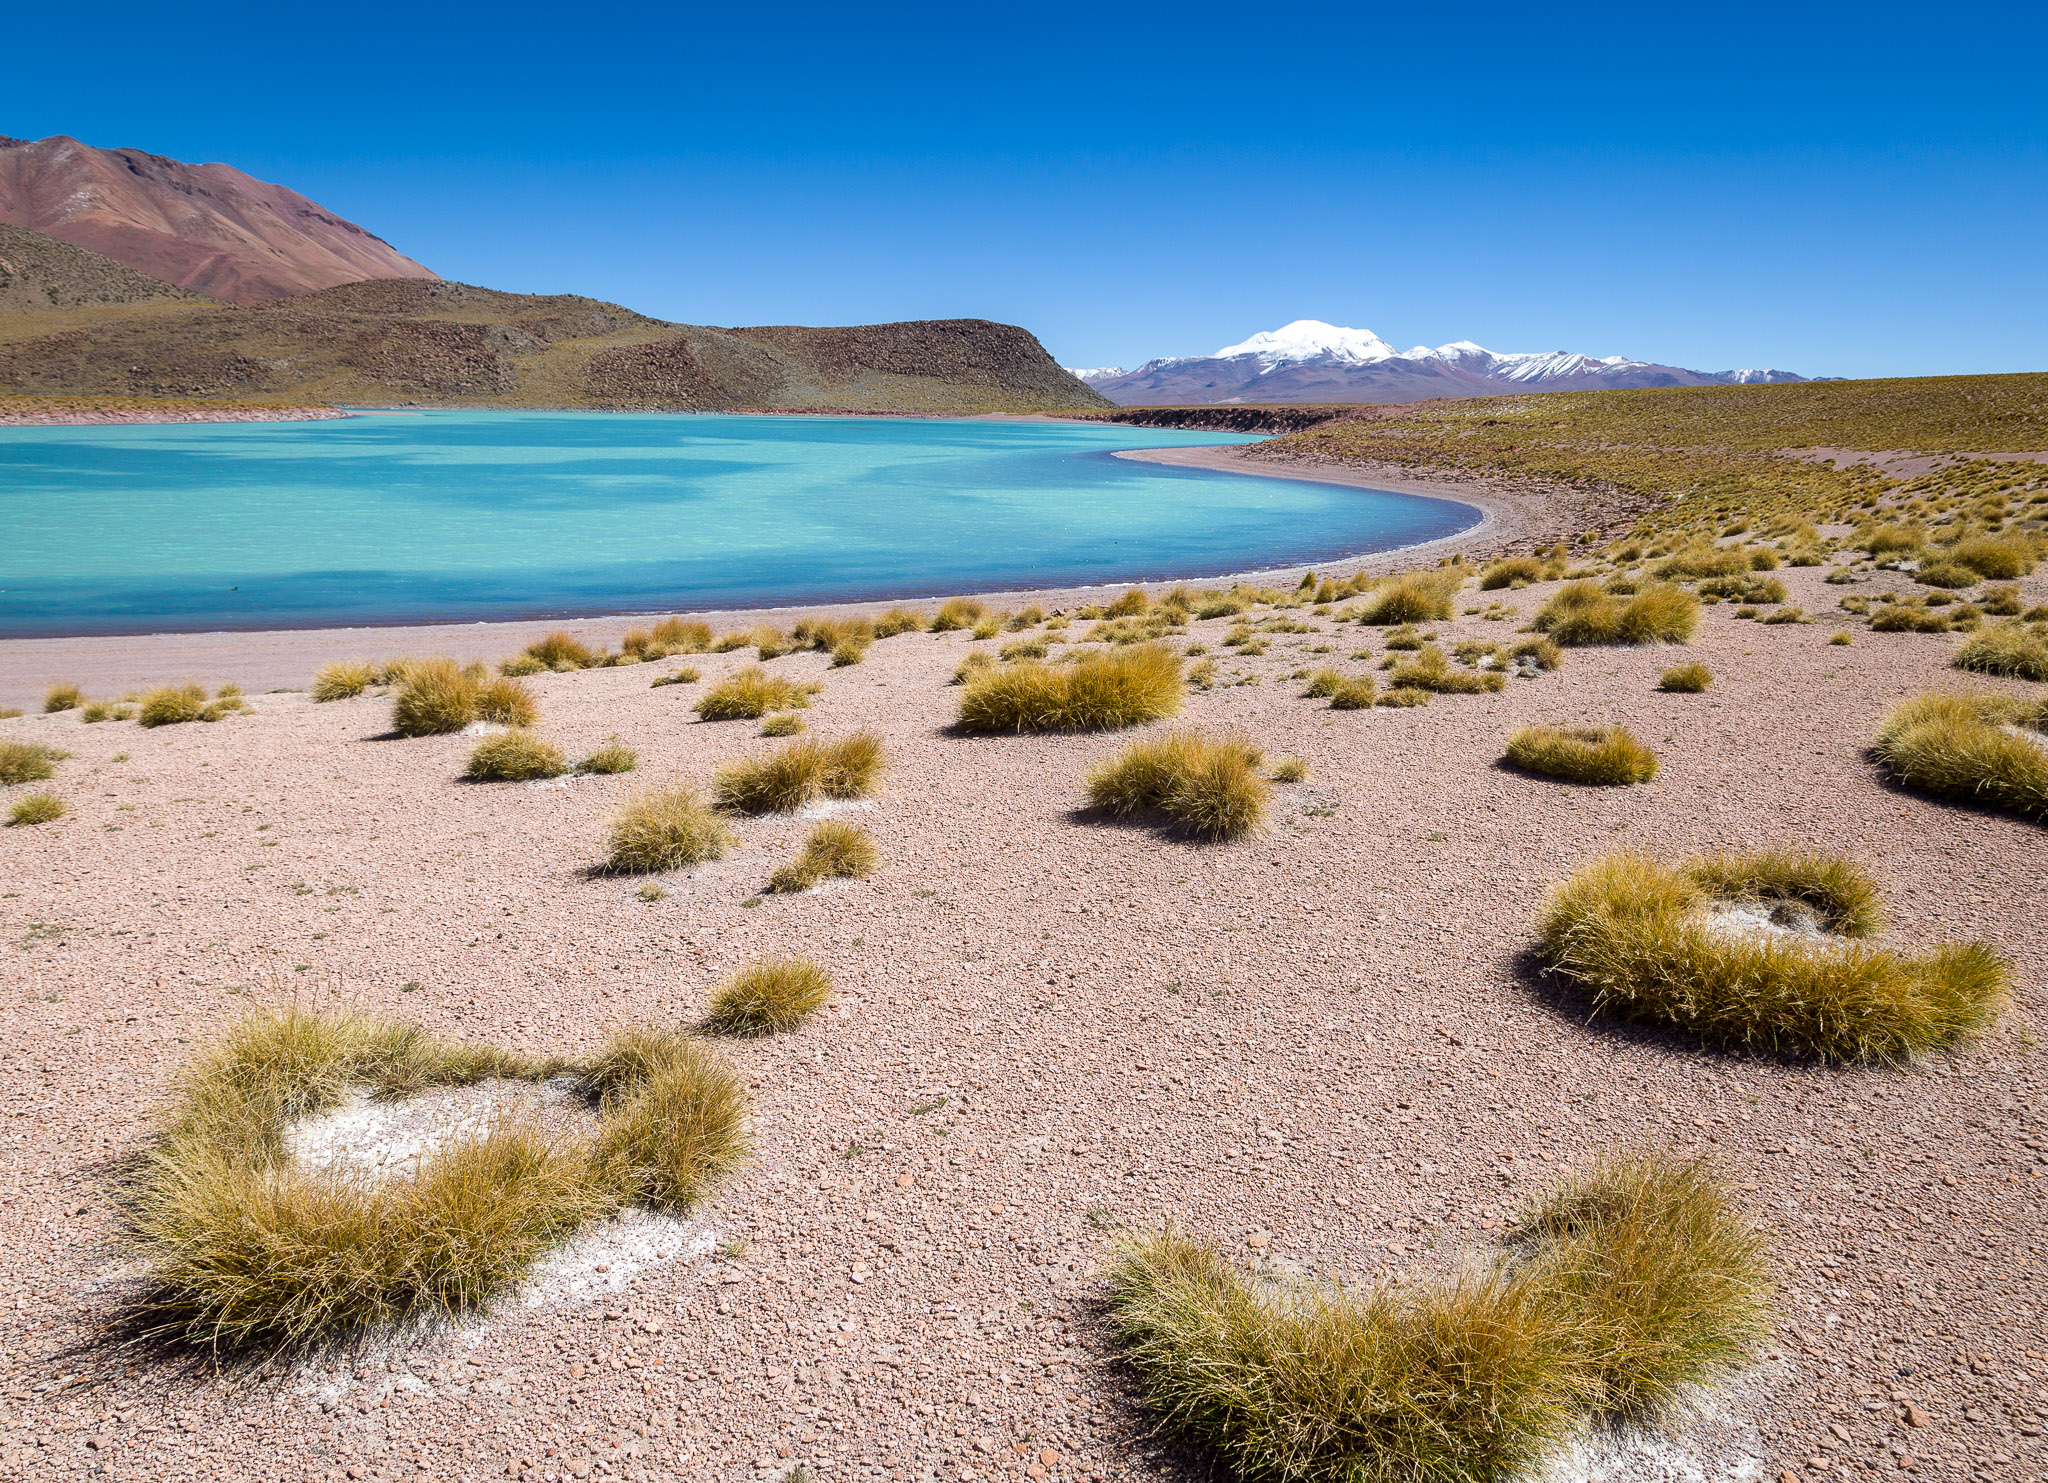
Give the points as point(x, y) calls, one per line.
point(801, 773)
point(749, 693)
point(344, 679)
point(36, 808)
point(27, 762)
point(1986, 749)
point(1207, 786)
point(1582, 754)
point(768, 997)
point(1686, 679)
point(1580, 614)
point(62, 697)
point(665, 829)
point(1632, 932)
point(1417, 597)
point(1097, 692)
point(515, 756)
point(835, 849)
point(2015, 650)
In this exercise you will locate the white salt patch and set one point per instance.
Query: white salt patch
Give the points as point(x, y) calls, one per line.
point(1780, 921)
point(483, 728)
point(603, 1258)
point(561, 782)
point(826, 808)
point(388, 1139)
point(1709, 1442)
point(830, 884)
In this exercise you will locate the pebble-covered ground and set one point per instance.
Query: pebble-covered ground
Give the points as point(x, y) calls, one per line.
point(1323, 1047)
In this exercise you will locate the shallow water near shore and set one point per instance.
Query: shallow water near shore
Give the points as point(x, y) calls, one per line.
point(403, 518)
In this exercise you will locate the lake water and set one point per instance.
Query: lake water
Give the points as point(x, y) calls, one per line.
point(474, 515)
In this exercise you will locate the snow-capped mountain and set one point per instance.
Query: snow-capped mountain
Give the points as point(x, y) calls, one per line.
point(1092, 374)
point(1310, 361)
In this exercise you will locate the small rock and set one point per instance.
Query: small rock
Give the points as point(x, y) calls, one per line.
point(905, 1180)
point(1050, 1456)
point(1839, 1430)
point(1917, 1417)
point(1257, 1240)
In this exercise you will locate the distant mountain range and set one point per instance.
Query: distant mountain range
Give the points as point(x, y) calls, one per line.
point(1310, 361)
point(127, 274)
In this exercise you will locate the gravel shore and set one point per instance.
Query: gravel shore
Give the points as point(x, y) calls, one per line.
point(1324, 1047)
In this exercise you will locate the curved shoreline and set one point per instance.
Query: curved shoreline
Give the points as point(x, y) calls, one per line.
point(285, 658)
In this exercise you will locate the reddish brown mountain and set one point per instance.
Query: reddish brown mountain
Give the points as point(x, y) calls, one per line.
point(207, 228)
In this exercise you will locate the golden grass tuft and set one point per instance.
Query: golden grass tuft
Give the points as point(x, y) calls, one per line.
point(562, 650)
point(664, 829)
point(1986, 749)
point(977, 662)
point(1511, 571)
point(782, 723)
point(27, 762)
point(899, 620)
point(611, 758)
point(666, 637)
point(1580, 614)
point(801, 773)
point(1430, 670)
point(62, 697)
point(1685, 679)
point(834, 850)
point(1096, 692)
point(1631, 931)
point(1289, 770)
point(749, 693)
point(1417, 597)
point(2000, 558)
point(958, 612)
point(768, 997)
point(515, 756)
point(1354, 693)
point(1623, 1291)
point(172, 705)
point(344, 679)
point(245, 1251)
point(36, 808)
point(1208, 786)
point(435, 697)
point(2014, 650)
point(1582, 754)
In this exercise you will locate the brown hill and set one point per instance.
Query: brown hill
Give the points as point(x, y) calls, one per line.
point(207, 228)
point(413, 341)
point(38, 272)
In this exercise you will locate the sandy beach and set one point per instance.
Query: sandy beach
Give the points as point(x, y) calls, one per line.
point(1324, 1047)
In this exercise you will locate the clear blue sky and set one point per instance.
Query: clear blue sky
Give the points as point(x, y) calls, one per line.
point(1838, 189)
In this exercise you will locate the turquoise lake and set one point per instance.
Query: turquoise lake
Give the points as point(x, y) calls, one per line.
point(474, 515)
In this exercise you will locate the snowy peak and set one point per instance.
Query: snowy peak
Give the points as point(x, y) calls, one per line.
point(1093, 374)
point(1311, 340)
point(1311, 360)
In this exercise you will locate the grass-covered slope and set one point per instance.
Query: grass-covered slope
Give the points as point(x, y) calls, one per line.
point(411, 340)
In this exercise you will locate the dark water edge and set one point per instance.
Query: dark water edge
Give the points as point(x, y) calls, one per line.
point(355, 599)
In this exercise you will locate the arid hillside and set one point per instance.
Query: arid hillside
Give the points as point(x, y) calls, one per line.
point(426, 341)
point(207, 228)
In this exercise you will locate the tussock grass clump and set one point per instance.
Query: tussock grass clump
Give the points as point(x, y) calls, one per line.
point(1323, 683)
point(514, 757)
point(1096, 692)
point(1661, 1286)
point(2000, 558)
point(976, 663)
point(801, 773)
point(958, 612)
point(1636, 934)
point(1289, 770)
point(749, 693)
point(1208, 786)
point(613, 757)
point(1988, 749)
point(62, 697)
point(1582, 754)
point(664, 829)
point(1418, 597)
point(770, 996)
point(1357, 693)
point(1743, 589)
point(435, 697)
point(1580, 614)
point(1907, 617)
point(563, 651)
point(835, 849)
point(685, 676)
point(674, 1120)
point(172, 705)
point(27, 762)
point(1512, 571)
point(1620, 1293)
point(344, 679)
point(1685, 679)
point(2011, 649)
point(666, 637)
point(899, 620)
point(1535, 656)
point(36, 808)
point(1400, 695)
point(1429, 669)
point(782, 723)
point(247, 1251)
point(505, 702)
